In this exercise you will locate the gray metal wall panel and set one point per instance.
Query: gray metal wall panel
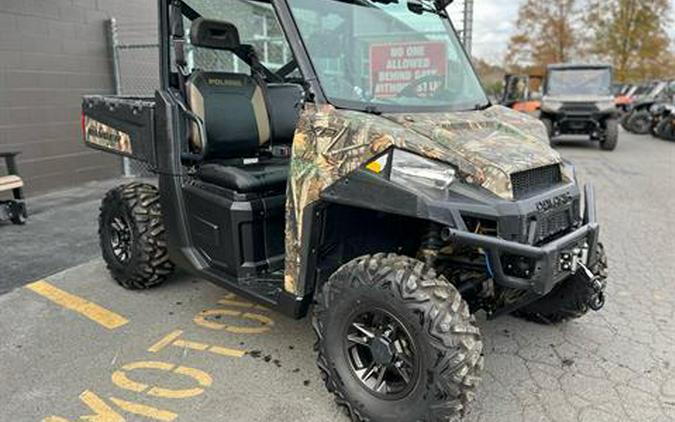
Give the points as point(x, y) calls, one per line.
point(53, 52)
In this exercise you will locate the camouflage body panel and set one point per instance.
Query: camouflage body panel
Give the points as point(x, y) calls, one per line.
point(103, 136)
point(485, 146)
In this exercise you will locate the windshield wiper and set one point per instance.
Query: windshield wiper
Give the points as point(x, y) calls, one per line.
point(372, 109)
point(418, 7)
point(481, 107)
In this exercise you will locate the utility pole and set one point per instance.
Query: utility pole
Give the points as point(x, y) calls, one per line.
point(467, 30)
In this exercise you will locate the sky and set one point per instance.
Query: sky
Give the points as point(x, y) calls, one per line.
point(494, 24)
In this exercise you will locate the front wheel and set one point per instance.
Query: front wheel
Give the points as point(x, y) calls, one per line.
point(611, 137)
point(640, 122)
point(132, 236)
point(396, 341)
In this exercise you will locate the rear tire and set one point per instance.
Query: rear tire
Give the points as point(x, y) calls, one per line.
point(436, 325)
point(640, 122)
point(611, 138)
point(568, 300)
point(132, 236)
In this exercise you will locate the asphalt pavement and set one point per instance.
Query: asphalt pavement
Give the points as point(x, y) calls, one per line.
point(60, 233)
point(75, 346)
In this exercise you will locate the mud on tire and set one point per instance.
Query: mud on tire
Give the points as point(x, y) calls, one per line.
point(568, 300)
point(132, 236)
point(444, 334)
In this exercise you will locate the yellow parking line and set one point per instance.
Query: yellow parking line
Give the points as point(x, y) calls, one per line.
point(94, 312)
point(227, 352)
point(165, 341)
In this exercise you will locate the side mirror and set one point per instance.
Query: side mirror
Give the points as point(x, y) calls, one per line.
point(416, 6)
point(442, 4)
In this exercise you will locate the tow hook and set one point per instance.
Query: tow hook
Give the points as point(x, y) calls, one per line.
point(595, 282)
point(575, 261)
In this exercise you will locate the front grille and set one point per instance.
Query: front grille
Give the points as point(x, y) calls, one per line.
point(581, 108)
point(551, 224)
point(529, 182)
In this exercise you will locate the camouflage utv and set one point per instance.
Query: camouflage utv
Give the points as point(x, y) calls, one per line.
point(343, 154)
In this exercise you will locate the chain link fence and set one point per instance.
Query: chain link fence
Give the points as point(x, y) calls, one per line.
point(135, 57)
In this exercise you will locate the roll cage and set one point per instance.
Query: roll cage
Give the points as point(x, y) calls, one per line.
point(172, 33)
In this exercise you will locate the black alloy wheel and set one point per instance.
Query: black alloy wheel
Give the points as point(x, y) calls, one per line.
point(381, 353)
point(396, 341)
point(121, 238)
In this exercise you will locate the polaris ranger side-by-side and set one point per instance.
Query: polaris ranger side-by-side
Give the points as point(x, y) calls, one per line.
point(578, 100)
point(347, 157)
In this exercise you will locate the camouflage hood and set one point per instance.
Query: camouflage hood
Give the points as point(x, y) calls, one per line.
point(487, 146)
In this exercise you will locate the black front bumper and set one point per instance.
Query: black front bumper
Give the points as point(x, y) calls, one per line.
point(546, 271)
point(573, 122)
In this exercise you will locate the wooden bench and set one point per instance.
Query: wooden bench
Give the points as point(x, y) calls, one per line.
point(10, 182)
point(13, 209)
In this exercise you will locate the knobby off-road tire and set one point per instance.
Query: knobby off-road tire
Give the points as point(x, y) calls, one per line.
point(444, 335)
point(611, 138)
point(136, 208)
point(639, 122)
point(568, 300)
point(665, 129)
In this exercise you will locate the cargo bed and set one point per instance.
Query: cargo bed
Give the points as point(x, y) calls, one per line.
point(122, 125)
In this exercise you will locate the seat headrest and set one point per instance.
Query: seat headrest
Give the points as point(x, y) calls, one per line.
point(211, 33)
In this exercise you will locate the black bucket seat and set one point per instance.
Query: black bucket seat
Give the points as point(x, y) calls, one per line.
point(242, 115)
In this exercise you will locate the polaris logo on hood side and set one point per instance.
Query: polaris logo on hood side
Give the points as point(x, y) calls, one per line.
point(555, 202)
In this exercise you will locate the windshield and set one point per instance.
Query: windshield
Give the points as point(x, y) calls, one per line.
point(385, 57)
point(579, 82)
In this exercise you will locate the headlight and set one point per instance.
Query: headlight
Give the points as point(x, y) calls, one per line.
point(415, 172)
point(407, 168)
point(605, 105)
point(550, 105)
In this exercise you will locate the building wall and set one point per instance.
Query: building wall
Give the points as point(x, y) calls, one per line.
point(51, 53)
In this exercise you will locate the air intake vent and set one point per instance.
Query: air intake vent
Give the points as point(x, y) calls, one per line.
point(529, 182)
point(582, 108)
point(552, 224)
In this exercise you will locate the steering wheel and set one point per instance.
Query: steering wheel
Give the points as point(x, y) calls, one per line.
point(410, 90)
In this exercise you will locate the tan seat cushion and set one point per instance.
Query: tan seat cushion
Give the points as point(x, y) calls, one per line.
point(10, 182)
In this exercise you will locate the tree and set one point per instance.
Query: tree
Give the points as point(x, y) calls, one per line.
point(545, 33)
point(631, 34)
point(492, 76)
